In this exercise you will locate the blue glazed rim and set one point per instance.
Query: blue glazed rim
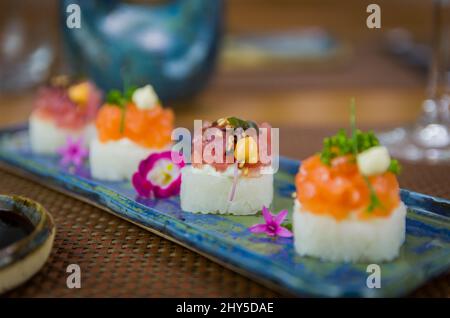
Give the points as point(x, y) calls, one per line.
point(43, 226)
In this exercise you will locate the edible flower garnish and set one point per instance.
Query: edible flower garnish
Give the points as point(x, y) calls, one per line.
point(158, 176)
point(272, 225)
point(73, 152)
point(116, 98)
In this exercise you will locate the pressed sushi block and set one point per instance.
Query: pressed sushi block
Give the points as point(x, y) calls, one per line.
point(347, 205)
point(63, 110)
point(130, 127)
point(237, 180)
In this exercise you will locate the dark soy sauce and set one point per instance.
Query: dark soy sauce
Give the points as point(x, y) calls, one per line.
point(13, 227)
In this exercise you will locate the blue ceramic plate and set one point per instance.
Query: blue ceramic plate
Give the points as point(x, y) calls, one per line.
point(425, 254)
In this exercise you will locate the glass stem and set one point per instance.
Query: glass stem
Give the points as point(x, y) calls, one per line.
point(437, 72)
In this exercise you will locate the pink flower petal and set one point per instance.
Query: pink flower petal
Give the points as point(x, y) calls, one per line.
point(73, 152)
point(171, 189)
point(77, 161)
point(258, 228)
point(142, 186)
point(146, 165)
point(65, 160)
point(267, 215)
point(83, 152)
point(279, 218)
point(78, 143)
point(283, 232)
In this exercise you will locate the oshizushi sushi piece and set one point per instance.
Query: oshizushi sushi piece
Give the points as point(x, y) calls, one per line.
point(130, 127)
point(348, 206)
point(63, 110)
point(240, 186)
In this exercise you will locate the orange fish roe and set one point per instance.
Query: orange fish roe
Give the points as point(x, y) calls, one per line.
point(150, 128)
point(340, 190)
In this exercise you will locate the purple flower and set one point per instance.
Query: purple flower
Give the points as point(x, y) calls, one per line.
point(158, 176)
point(73, 152)
point(272, 227)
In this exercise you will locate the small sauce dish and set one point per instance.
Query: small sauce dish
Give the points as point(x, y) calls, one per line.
point(27, 232)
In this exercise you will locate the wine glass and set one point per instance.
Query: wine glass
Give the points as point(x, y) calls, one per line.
point(27, 43)
point(428, 139)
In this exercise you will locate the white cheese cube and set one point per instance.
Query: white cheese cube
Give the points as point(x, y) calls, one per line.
point(373, 161)
point(145, 97)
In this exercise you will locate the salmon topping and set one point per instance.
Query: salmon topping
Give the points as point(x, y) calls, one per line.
point(339, 190)
point(150, 128)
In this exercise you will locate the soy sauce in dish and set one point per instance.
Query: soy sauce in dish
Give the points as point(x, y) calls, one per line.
point(13, 227)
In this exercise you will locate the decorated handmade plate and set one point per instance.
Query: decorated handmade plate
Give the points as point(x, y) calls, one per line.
point(227, 240)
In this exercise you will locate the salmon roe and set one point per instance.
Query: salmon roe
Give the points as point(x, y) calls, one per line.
point(339, 190)
point(150, 128)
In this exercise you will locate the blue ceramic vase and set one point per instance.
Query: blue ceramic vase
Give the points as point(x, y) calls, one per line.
point(171, 44)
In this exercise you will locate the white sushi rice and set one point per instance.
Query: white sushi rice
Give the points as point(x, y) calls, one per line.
point(46, 137)
point(373, 240)
point(205, 190)
point(116, 160)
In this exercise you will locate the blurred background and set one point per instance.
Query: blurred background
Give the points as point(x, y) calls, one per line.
point(295, 64)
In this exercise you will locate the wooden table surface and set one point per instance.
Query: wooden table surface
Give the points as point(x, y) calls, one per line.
point(387, 90)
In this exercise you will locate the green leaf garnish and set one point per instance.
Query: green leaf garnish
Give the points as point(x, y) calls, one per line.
point(128, 94)
point(395, 167)
point(237, 122)
point(374, 200)
point(252, 124)
point(341, 144)
point(116, 98)
point(240, 123)
point(353, 126)
point(358, 141)
point(288, 226)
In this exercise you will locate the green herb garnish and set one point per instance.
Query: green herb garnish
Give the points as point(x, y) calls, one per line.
point(116, 98)
point(358, 141)
point(288, 226)
point(353, 125)
point(128, 94)
point(252, 124)
point(374, 200)
point(395, 167)
point(237, 122)
point(340, 144)
point(240, 123)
